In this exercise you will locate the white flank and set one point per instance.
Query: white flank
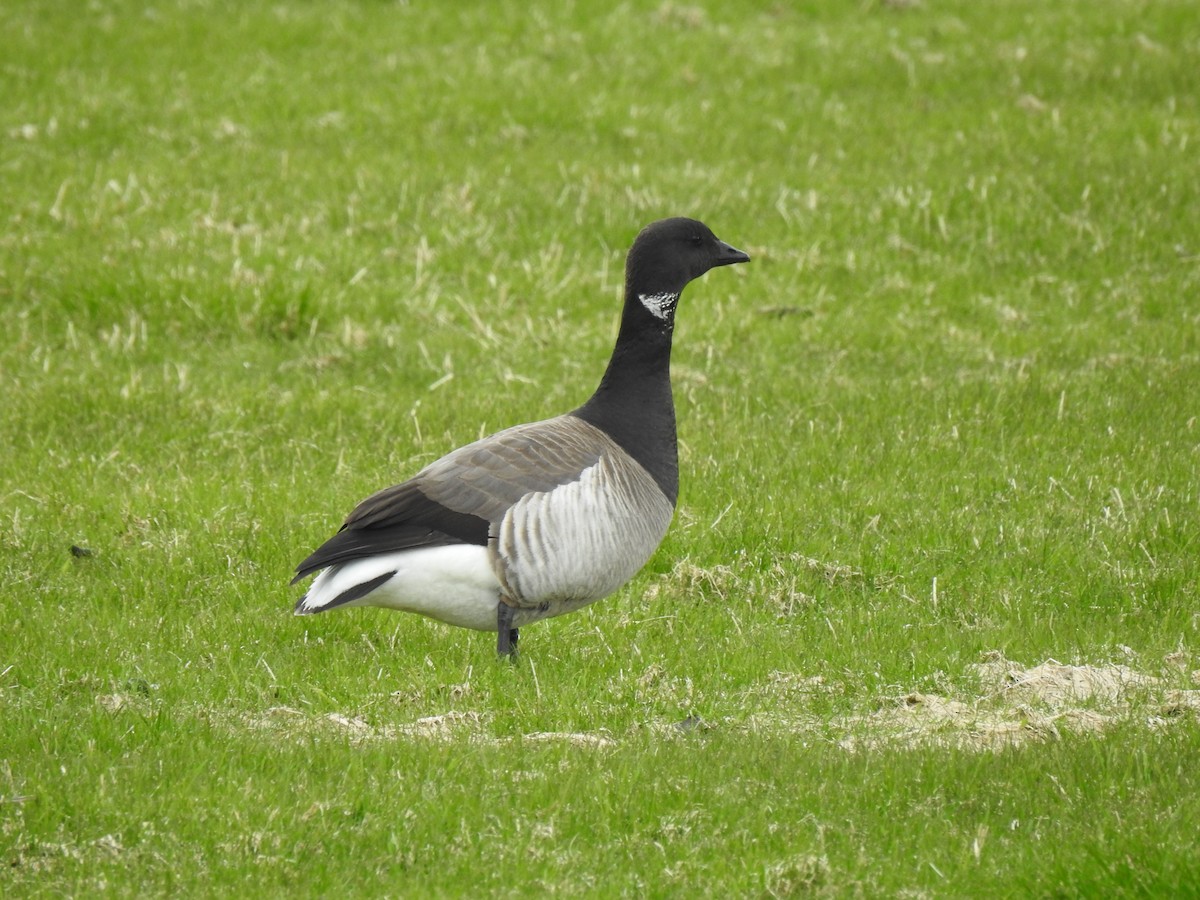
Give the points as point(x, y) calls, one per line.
point(661, 306)
point(454, 584)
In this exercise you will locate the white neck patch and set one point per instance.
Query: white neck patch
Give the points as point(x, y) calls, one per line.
point(661, 306)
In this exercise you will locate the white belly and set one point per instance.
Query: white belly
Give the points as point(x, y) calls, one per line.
point(454, 584)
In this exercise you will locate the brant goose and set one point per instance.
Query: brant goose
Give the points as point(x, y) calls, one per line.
point(540, 519)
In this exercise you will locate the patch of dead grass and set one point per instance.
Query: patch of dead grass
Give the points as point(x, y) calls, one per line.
point(1005, 705)
point(286, 721)
point(1056, 684)
point(777, 582)
point(931, 720)
point(1020, 705)
point(455, 725)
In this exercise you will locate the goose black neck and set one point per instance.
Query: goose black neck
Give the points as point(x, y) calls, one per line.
point(633, 404)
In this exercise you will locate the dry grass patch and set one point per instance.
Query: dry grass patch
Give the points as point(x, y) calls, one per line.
point(284, 721)
point(778, 582)
point(1007, 705)
point(456, 725)
point(1021, 705)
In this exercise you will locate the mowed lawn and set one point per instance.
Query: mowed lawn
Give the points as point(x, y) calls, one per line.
point(927, 622)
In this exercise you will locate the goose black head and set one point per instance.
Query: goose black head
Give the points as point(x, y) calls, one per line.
point(671, 252)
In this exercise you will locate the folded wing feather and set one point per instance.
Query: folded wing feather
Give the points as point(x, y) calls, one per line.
point(462, 497)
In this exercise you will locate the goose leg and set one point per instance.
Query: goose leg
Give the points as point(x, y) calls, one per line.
point(506, 639)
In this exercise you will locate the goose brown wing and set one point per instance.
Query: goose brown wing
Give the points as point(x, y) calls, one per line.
point(461, 497)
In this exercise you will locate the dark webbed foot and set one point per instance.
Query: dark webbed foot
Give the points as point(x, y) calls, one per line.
point(506, 638)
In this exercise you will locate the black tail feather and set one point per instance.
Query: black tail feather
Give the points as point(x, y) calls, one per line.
point(346, 596)
point(350, 544)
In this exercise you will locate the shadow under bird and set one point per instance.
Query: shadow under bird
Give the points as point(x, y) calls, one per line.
point(540, 519)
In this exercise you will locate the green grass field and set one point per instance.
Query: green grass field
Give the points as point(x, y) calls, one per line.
point(926, 623)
